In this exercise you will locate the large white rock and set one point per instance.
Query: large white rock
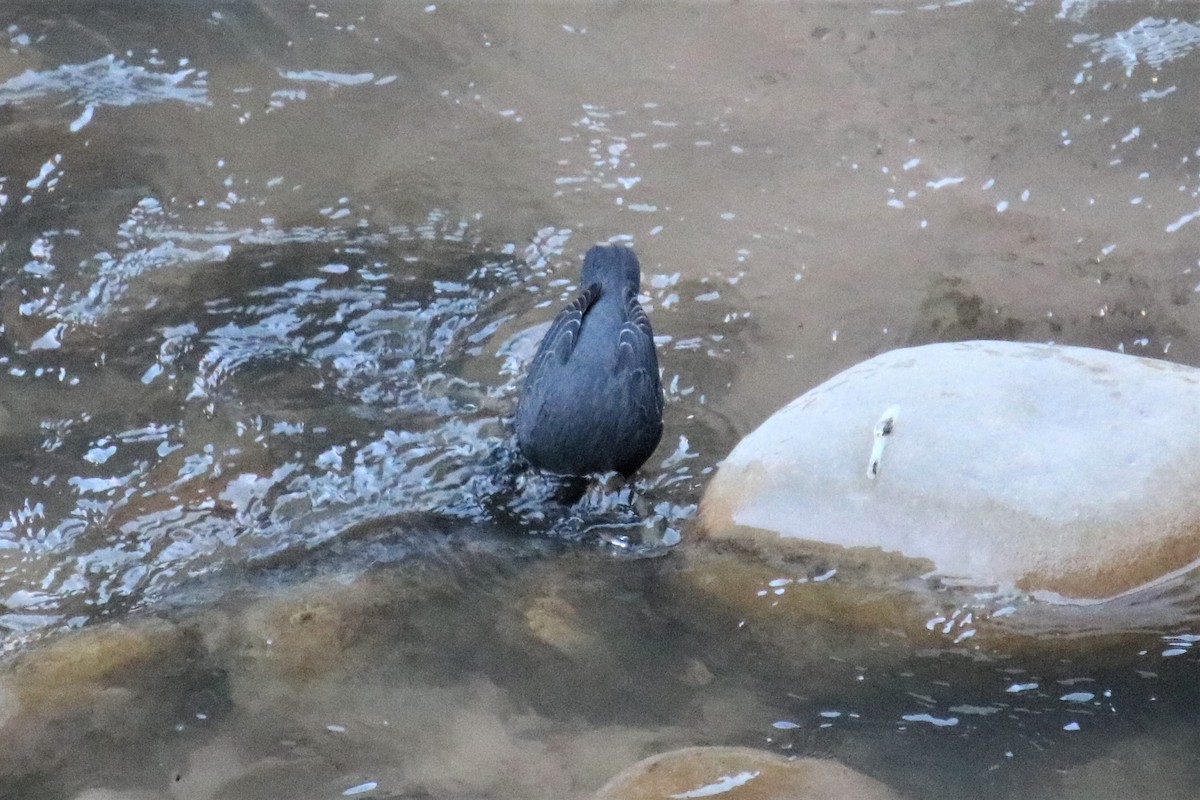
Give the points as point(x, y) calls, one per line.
point(1066, 470)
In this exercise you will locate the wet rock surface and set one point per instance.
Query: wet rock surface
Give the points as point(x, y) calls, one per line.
point(314, 688)
point(740, 774)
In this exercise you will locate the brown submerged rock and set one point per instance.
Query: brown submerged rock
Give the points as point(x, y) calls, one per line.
point(69, 674)
point(740, 773)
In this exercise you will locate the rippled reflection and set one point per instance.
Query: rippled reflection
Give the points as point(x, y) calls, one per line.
point(322, 394)
point(107, 81)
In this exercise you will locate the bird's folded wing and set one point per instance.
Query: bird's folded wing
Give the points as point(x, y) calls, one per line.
point(636, 315)
point(635, 342)
point(560, 340)
point(636, 356)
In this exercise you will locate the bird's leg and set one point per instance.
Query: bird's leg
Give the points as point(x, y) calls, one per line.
point(631, 485)
point(571, 490)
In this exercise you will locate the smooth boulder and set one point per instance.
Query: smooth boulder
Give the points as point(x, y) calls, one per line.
point(740, 773)
point(1068, 472)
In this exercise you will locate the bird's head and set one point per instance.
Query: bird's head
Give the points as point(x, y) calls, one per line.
point(613, 267)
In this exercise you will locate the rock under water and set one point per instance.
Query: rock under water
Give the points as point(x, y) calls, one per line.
point(740, 773)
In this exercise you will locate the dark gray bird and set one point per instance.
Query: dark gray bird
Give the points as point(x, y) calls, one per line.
point(593, 401)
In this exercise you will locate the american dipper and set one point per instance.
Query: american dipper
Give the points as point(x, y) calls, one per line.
point(593, 401)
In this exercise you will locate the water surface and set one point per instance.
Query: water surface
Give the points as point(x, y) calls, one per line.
point(267, 273)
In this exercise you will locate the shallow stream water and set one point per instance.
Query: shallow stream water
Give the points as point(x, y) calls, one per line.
point(268, 272)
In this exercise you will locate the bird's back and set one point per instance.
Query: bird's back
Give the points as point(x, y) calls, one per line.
point(592, 401)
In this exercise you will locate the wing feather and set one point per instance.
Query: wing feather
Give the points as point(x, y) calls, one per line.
point(637, 358)
point(560, 340)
